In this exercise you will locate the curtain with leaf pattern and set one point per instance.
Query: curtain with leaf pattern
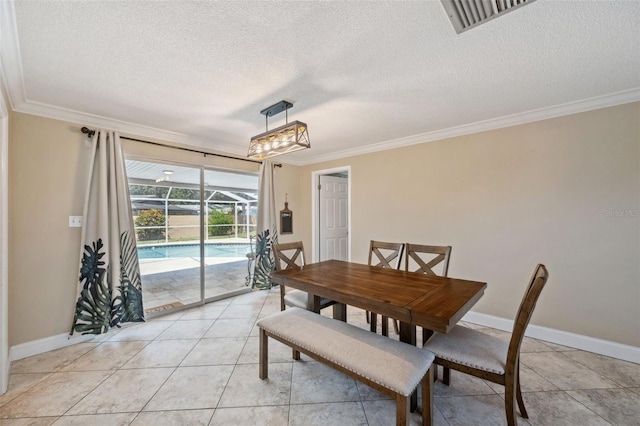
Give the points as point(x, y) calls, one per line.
point(109, 287)
point(267, 228)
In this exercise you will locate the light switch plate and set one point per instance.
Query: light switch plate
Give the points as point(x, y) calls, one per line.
point(75, 221)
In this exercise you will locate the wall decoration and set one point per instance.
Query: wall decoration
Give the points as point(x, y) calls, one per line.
point(286, 220)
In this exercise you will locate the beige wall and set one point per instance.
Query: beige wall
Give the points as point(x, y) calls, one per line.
point(504, 200)
point(49, 166)
point(507, 199)
point(287, 184)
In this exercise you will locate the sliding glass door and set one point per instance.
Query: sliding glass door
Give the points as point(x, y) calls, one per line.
point(192, 227)
point(231, 200)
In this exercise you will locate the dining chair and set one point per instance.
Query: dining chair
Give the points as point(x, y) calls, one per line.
point(251, 261)
point(487, 357)
point(387, 255)
point(424, 259)
point(429, 260)
point(291, 255)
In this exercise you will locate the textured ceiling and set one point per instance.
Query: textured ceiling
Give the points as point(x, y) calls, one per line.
point(363, 75)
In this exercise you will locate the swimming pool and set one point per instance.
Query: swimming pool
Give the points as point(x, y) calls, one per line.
point(193, 250)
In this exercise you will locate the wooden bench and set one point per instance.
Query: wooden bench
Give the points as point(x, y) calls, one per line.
point(389, 366)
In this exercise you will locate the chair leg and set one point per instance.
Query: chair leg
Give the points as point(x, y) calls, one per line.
point(523, 411)
point(295, 355)
point(373, 325)
point(264, 355)
point(509, 399)
point(446, 376)
point(282, 307)
point(366, 314)
point(396, 327)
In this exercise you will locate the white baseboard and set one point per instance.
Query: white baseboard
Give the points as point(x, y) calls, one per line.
point(46, 344)
point(565, 338)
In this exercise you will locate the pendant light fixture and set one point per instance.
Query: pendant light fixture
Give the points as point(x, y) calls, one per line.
point(291, 137)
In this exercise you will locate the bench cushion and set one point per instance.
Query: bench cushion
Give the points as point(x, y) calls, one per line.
point(392, 364)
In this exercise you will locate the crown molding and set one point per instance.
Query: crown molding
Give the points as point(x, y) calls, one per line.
point(613, 99)
point(93, 120)
point(11, 68)
point(10, 59)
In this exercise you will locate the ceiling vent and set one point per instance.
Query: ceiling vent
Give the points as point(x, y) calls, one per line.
point(466, 14)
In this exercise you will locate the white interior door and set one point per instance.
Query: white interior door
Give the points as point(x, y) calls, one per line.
point(334, 217)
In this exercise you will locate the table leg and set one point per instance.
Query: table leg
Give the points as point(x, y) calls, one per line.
point(373, 322)
point(340, 312)
point(385, 326)
point(426, 334)
point(408, 335)
point(339, 309)
point(313, 303)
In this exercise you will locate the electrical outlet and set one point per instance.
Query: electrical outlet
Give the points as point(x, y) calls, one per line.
point(75, 221)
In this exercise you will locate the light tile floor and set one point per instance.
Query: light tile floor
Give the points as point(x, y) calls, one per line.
point(199, 367)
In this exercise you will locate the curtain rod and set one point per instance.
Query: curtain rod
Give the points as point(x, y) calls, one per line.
point(90, 133)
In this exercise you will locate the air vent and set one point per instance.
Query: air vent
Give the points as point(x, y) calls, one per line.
point(466, 14)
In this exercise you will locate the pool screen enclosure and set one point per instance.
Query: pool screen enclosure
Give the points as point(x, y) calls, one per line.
point(194, 207)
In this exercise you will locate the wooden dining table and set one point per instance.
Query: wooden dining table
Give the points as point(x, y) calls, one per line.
point(431, 302)
point(434, 303)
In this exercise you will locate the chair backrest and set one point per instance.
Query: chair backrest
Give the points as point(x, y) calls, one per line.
point(525, 311)
point(388, 255)
point(423, 259)
point(288, 255)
